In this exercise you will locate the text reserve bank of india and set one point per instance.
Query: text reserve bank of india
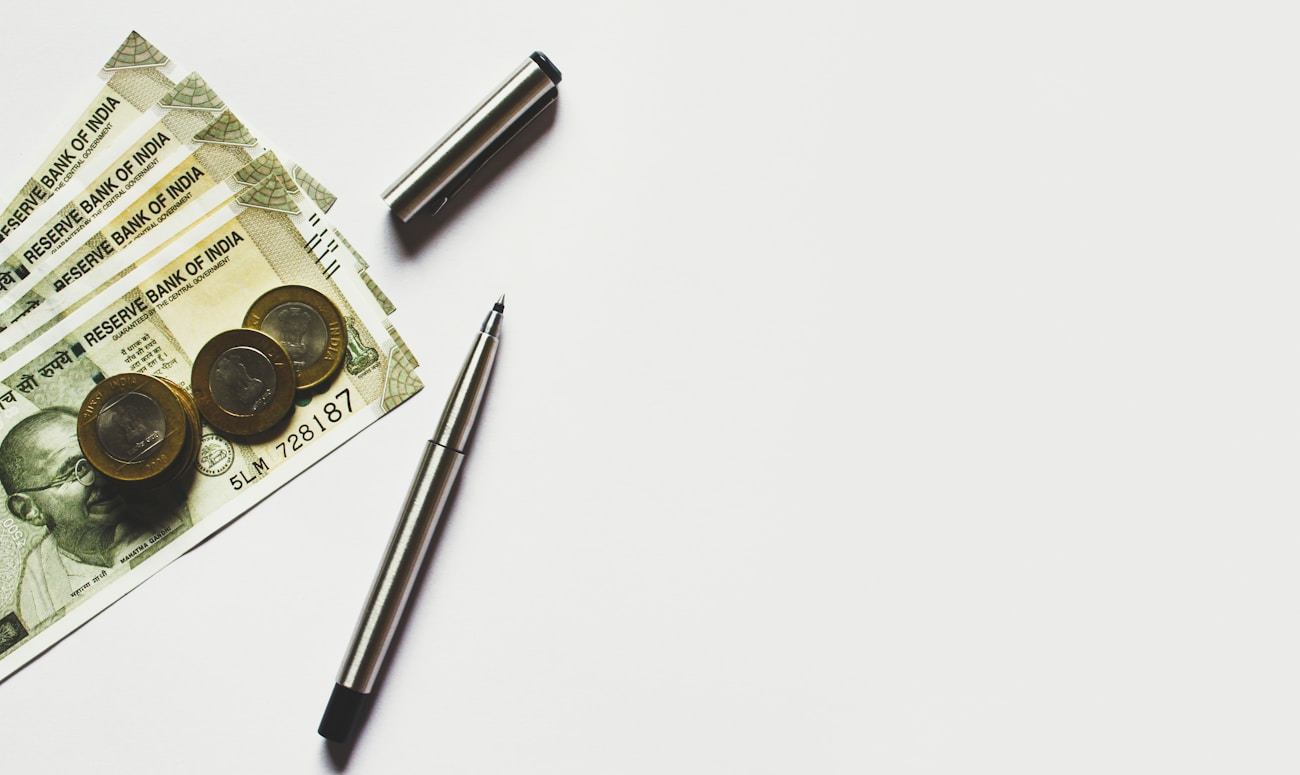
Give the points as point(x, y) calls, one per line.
point(181, 159)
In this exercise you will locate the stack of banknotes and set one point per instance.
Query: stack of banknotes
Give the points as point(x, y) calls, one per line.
point(152, 222)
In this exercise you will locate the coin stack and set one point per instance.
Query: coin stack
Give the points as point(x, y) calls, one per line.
point(139, 430)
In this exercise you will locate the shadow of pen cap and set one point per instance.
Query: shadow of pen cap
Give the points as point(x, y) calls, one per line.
point(433, 180)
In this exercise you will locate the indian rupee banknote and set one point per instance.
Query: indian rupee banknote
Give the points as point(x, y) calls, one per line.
point(177, 164)
point(132, 80)
point(82, 271)
point(50, 581)
point(142, 258)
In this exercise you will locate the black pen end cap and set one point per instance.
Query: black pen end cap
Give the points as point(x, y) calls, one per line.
point(547, 66)
point(342, 713)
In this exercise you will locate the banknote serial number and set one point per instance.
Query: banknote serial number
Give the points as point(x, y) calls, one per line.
point(314, 426)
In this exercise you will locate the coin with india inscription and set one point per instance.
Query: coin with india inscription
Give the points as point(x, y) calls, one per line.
point(133, 428)
point(243, 382)
point(308, 325)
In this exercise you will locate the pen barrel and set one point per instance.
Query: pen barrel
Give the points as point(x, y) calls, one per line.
point(462, 405)
point(401, 565)
point(449, 164)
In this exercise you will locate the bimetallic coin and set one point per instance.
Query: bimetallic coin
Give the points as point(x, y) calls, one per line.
point(243, 382)
point(309, 327)
point(133, 428)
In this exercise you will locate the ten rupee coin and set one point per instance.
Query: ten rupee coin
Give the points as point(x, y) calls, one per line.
point(133, 428)
point(243, 382)
point(309, 327)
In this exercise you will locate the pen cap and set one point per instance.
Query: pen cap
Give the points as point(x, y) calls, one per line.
point(456, 157)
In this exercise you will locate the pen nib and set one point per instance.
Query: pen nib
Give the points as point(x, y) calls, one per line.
point(492, 323)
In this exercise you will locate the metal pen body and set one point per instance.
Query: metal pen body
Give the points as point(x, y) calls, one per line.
point(454, 159)
point(415, 528)
point(402, 562)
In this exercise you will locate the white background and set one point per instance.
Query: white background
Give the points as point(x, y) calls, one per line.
point(889, 387)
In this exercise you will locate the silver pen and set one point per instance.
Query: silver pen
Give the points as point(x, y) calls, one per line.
point(424, 506)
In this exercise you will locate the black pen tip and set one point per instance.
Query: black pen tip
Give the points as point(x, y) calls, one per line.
point(500, 306)
point(341, 714)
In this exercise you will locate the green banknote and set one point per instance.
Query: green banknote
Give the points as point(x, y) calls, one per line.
point(133, 79)
point(144, 183)
point(165, 173)
point(155, 323)
point(181, 160)
point(82, 274)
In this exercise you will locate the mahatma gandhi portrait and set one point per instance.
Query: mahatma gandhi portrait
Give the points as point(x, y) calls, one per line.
point(49, 483)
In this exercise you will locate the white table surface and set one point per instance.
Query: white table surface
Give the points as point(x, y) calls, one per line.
point(885, 388)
